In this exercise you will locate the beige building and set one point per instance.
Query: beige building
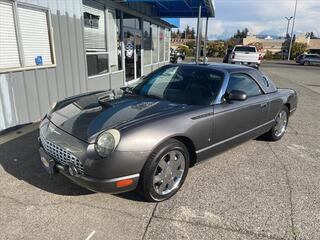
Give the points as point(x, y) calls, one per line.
point(280, 46)
point(313, 44)
point(176, 42)
point(276, 46)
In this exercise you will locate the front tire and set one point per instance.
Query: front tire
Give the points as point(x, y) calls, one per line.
point(165, 171)
point(280, 127)
point(306, 63)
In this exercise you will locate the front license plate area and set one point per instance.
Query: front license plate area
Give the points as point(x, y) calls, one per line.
point(47, 162)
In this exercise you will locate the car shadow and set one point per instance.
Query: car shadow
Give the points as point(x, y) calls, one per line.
point(20, 158)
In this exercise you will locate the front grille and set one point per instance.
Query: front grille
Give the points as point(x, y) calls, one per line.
point(61, 155)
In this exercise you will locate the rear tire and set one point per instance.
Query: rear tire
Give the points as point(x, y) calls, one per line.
point(280, 126)
point(162, 176)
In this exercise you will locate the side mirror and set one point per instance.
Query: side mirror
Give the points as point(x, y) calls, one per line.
point(236, 95)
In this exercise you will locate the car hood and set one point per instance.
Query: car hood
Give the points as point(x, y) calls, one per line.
point(86, 116)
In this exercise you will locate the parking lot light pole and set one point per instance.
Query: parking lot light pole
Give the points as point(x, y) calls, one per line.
point(288, 19)
point(198, 35)
point(292, 29)
point(205, 42)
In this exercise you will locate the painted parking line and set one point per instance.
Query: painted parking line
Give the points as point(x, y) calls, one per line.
point(91, 234)
point(18, 133)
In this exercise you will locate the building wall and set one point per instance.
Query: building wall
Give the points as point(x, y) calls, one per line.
point(26, 96)
point(273, 45)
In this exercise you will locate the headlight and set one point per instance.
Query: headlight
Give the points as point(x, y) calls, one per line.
point(107, 142)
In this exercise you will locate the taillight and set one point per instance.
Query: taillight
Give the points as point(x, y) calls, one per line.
point(232, 56)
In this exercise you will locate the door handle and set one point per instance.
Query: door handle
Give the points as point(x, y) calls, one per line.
point(263, 105)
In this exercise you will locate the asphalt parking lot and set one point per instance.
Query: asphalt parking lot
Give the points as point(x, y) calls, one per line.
point(259, 190)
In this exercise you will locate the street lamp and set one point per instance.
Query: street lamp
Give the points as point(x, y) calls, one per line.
point(294, 20)
point(288, 19)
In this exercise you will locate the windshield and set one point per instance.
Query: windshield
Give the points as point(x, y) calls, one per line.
point(245, 49)
point(185, 84)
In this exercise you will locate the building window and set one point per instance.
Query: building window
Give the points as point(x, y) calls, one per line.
point(27, 43)
point(167, 45)
point(91, 20)
point(131, 21)
point(155, 43)
point(95, 40)
point(146, 43)
point(97, 63)
point(115, 43)
point(161, 45)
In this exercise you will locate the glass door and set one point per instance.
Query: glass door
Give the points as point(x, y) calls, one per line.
point(132, 44)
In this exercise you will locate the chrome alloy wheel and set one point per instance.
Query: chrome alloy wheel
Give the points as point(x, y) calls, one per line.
point(169, 172)
point(281, 123)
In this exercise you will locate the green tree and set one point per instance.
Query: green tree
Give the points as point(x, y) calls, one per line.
point(216, 48)
point(241, 33)
point(192, 33)
point(298, 48)
point(178, 33)
point(191, 45)
point(268, 55)
point(184, 48)
point(231, 42)
point(310, 35)
point(174, 34)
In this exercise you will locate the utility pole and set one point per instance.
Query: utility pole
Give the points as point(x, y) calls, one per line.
point(288, 19)
point(292, 29)
point(198, 41)
point(205, 42)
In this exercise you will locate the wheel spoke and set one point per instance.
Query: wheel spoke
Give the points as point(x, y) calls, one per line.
point(162, 164)
point(178, 173)
point(162, 187)
point(171, 184)
point(158, 178)
point(172, 156)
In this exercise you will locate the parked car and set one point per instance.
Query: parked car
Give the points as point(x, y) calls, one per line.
point(308, 59)
point(247, 55)
point(176, 56)
point(147, 136)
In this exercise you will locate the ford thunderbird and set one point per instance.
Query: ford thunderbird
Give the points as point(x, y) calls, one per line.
point(146, 136)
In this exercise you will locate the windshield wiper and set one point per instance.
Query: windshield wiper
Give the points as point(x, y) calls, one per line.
point(127, 90)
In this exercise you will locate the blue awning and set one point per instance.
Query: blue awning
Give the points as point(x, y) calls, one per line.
point(175, 22)
point(180, 8)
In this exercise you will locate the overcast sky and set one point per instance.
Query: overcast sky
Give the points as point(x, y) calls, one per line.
point(261, 17)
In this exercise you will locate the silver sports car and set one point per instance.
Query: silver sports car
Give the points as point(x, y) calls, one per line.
point(146, 137)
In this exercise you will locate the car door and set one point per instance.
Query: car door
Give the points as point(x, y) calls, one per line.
point(240, 120)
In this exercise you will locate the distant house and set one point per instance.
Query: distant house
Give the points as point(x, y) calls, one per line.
point(176, 42)
point(313, 44)
point(280, 46)
point(275, 46)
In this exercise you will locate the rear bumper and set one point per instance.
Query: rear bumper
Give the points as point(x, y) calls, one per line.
point(255, 64)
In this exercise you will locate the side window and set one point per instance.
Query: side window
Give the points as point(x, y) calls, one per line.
point(245, 83)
